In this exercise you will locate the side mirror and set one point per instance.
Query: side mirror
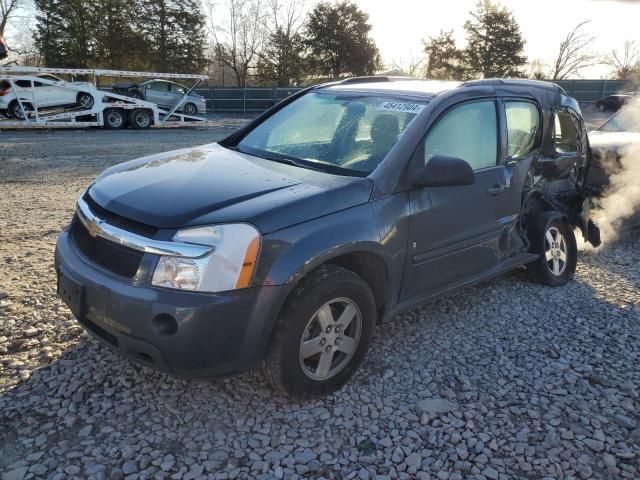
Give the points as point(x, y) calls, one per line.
point(443, 171)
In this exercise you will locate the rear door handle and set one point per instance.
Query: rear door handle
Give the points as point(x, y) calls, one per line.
point(497, 189)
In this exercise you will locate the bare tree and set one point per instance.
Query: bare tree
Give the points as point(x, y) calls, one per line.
point(573, 54)
point(286, 15)
point(239, 37)
point(538, 69)
point(625, 63)
point(412, 66)
point(8, 8)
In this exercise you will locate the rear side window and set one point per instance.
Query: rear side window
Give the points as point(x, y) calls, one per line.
point(159, 86)
point(565, 133)
point(523, 125)
point(27, 83)
point(469, 132)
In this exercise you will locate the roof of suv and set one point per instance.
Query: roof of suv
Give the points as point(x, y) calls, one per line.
point(432, 88)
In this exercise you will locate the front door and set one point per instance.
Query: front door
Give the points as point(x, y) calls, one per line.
point(458, 232)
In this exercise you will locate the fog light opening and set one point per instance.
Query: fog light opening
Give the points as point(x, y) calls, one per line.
point(165, 325)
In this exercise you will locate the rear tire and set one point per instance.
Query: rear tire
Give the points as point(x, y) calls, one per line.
point(114, 118)
point(323, 333)
point(84, 101)
point(553, 240)
point(140, 119)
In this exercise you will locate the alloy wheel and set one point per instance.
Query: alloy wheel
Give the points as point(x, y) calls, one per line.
point(86, 101)
point(555, 250)
point(330, 339)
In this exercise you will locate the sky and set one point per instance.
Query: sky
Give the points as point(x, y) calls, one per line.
point(400, 25)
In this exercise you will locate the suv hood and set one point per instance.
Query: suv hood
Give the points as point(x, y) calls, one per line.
point(211, 184)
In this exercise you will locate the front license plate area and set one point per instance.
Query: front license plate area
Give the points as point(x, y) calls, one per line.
point(71, 293)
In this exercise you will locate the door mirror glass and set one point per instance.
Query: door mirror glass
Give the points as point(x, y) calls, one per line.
point(443, 171)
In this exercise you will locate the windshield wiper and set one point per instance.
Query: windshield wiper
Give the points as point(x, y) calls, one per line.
point(278, 157)
point(287, 160)
point(298, 162)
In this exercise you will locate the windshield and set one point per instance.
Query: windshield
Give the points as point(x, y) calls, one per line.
point(626, 120)
point(343, 133)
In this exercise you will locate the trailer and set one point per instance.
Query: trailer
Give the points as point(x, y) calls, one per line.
point(94, 107)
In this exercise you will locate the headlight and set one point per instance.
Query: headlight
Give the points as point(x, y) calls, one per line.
point(229, 266)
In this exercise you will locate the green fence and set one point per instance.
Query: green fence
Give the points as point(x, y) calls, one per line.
point(253, 100)
point(592, 90)
point(243, 100)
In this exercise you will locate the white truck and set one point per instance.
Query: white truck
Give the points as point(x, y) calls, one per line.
point(36, 97)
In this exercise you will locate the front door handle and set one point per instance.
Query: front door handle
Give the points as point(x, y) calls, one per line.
point(497, 189)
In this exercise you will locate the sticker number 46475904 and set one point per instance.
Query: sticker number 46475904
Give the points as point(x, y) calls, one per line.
point(401, 107)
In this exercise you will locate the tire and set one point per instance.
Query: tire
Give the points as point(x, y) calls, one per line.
point(114, 118)
point(312, 312)
point(84, 100)
point(15, 111)
point(190, 109)
point(553, 240)
point(140, 119)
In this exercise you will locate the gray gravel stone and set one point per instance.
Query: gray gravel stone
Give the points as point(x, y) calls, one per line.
point(506, 379)
point(491, 473)
point(435, 405)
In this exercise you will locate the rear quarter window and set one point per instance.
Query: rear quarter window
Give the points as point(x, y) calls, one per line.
point(565, 132)
point(523, 125)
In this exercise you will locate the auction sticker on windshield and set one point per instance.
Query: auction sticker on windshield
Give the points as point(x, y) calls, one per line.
point(401, 107)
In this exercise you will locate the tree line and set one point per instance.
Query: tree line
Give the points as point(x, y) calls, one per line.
point(165, 35)
point(280, 43)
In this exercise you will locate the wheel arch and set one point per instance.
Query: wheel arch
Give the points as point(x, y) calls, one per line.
point(363, 261)
point(369, 266)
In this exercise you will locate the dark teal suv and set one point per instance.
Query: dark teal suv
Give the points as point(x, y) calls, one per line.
point(285, 244)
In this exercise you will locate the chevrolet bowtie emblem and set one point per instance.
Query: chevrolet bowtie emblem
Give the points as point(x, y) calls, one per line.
point(93, 227)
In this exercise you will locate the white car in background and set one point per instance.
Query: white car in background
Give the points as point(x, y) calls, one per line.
point(42, 91)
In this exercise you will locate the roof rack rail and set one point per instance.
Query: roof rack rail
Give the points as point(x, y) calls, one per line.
point(365, 79)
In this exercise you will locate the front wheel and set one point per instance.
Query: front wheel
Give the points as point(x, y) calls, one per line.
point(553, 240)
point(19, 113)
point(323, 333)
point(190, 109)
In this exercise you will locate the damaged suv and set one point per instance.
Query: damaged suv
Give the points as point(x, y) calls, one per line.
point(283, 245)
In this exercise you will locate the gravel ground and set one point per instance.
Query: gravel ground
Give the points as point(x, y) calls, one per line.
point(507, 379)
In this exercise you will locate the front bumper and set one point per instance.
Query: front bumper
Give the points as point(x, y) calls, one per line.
point(216, 333)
